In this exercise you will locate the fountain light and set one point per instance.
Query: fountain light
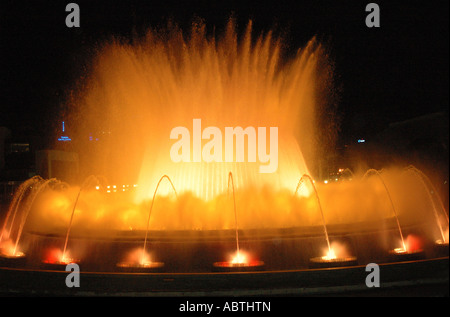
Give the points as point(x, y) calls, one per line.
point(441, 247)
point(411, 250)
point(401, 254)
point(55, 258)
point(331, 255)
point(239, 261)
point(9, 255)
point(335, 256)
point(139, 259)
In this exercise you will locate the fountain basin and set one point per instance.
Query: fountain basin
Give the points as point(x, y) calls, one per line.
point(133, 267)
point(18, 259)
point(424, 277)
point(321, 262)
point(229, 266)
point(400, 254)
point(197, 251)
point(440, 248)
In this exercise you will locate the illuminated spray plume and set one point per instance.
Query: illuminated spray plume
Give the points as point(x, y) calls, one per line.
point(252, 111)
point(197, 108)
point(194, 110)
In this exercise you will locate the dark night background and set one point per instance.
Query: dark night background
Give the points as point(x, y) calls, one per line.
point(388, 74)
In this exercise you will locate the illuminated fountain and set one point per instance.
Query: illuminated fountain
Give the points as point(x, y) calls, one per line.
point(442, 242)
point(239, 260)
point(169, 105)
point(143, 261)
point(35, 185)
point(330, 259)
point(402, 251)
point(64, 258)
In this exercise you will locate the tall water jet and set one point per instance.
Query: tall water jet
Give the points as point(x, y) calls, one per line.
point(238, 259)
point(145, 89)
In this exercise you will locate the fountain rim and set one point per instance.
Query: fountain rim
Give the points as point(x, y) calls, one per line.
point(256, 272)
point(348, 279)
point(250, 234)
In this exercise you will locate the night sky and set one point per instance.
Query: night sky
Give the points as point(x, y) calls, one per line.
point(386, 74)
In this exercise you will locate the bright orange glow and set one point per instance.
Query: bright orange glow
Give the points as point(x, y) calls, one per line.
point(53, 256)
point(400, 250)
point(239, 258)
point(138, 257)
point(98, 212)
point(413, 243)
point(136, 94)
point(337, 250)
point(8, 249)
point(330, 255)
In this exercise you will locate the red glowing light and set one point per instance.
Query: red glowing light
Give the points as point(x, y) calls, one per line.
point(413, 243)
point(239, 260)
point(55, 256)
point(138, 258)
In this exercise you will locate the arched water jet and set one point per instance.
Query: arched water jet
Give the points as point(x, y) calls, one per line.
point(429, 187)
point(150, 212)
point(43, 186)
point(14, 206)
point(348, 171)
point(85, 184)
point(330, 259)
point(143, 262)
point(378, 174)
point(300, 183)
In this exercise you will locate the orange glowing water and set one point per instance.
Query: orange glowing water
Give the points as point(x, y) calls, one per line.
point(137, 93)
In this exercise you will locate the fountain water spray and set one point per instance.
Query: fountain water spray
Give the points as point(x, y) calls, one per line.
point(300, 183)
point(331, 259)
point(27, 211)
point(230, 178)
point(378, 174)
point(139, 258)
point(429, 188)
point(14, 206)
point(238, 261)
point(150, 212)
point(85, 184)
